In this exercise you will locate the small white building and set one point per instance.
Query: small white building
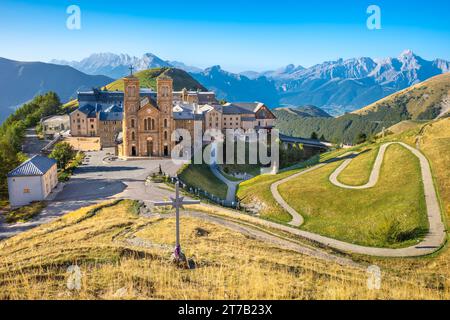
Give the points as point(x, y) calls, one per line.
point(32, 181)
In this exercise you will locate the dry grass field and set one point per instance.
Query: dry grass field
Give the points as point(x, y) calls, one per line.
point(124, 256)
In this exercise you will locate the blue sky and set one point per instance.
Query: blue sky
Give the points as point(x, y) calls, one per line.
point(238, 35)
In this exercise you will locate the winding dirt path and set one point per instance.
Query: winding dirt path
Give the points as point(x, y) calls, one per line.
point(432, 241)
point(297, 219)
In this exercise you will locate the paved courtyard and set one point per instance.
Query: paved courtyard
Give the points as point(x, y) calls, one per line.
point(100, 179)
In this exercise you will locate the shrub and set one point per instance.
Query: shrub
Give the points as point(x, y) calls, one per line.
point(63, 153)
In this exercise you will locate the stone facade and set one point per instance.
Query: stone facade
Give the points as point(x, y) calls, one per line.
point(141, 124)
point(147, 126)
point(55, 124)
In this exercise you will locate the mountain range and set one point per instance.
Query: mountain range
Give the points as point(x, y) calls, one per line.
point(118, 65)
point(304, 111)
point(21, 81)
point(424, 101)
point(335, 86)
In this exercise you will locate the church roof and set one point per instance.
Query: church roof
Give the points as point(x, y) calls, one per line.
point(186, 111)
point(110, 116)
point(113, 108)
point(232, 108)
point(89, 110)
point(249, 106)
point(36, 166)
point(97, 96)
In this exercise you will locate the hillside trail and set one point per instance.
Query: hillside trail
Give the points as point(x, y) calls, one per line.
point(432, 241)
point(258, 233)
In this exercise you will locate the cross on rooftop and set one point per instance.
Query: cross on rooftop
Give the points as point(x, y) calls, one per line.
point(176, 203)
point(131, 69)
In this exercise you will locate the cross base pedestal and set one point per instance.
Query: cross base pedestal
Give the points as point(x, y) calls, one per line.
point(179, 258)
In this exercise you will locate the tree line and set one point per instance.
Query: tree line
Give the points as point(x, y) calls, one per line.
point(348, 129)
point(12, 132)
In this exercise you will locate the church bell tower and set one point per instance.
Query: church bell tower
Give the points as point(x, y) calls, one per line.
point(165, 104)
point(131, 102)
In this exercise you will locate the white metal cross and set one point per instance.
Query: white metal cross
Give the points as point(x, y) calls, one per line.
point(177, 203)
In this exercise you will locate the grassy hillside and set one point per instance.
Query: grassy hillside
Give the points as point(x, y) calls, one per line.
point(181, 79)
point(391, 214)
point(200, 176)
point(403, 126)
point(358, 171)
point(344, 129)
point(124, 256)
point(434, 142)
point(424, 101)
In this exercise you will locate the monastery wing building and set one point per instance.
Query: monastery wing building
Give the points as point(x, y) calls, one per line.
point(139, 122)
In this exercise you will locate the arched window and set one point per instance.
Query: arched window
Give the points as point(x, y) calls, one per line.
point(165, 135)
point(132, 123)
point(132, 91)
point(153, 124)
point(165, 123)
point(145, 124)
point(133, 136)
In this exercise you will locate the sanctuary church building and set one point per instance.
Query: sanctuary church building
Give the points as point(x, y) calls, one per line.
point(139, 122)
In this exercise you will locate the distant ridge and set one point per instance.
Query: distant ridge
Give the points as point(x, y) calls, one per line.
point(117, 65)
point(21, 81)
point(337, 87)
point(305, 111)
point(425, 101)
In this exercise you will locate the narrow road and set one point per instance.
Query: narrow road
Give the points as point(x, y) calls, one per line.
point(95, 182)
point(32, 145)
point(432, 241)
point(232, 185)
